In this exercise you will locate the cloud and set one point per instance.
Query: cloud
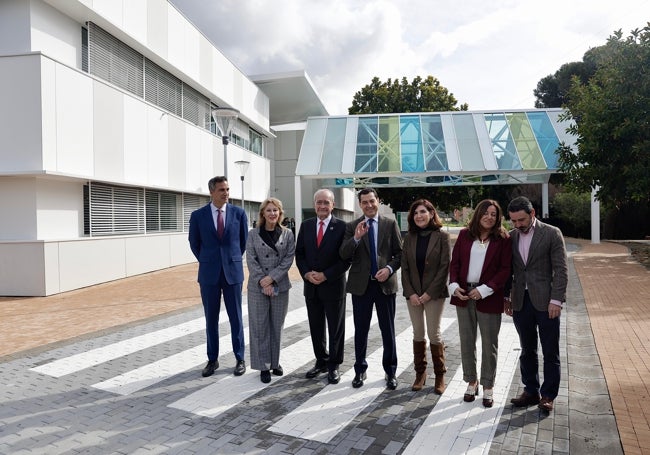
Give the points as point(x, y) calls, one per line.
point(490, 55)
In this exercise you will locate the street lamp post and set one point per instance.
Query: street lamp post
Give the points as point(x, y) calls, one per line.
point(225, 118)
point(243, 167)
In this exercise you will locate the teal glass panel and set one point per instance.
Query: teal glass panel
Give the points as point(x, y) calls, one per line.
point(503, 145)
point(411, 144)
point(333, 146)
point(433, 141)
point(388, 156)
point(546, 138)
point(367, 135)
point(527, 148)
point(467, 140)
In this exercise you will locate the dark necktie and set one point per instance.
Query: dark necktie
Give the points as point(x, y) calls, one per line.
point(320, 233)
point(219, 224)
point(373, 247)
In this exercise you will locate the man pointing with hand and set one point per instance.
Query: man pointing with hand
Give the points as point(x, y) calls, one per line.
point(374, 245)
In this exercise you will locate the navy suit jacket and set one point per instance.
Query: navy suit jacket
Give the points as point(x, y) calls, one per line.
point(215, 254)
point(324, 259)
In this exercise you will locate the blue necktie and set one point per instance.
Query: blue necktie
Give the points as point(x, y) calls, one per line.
point(373, 248)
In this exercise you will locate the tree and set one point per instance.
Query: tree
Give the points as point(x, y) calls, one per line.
point(393, 96)
point(396, 97)
point(552, 90)
point(572, 214)
point(448, 198)
point(612, 126)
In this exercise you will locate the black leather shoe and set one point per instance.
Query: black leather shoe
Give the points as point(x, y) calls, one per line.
point(333, 377)
point(278, 371)
point(391, 382)
point(209, 368)
point(358, 380)
point(240, 368)
point(315, 372)
point(265, 376)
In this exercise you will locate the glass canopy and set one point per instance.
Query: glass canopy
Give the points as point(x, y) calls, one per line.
point(424, 149)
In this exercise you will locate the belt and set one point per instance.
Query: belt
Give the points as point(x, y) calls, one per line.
point(372, 278)
point(473, 285)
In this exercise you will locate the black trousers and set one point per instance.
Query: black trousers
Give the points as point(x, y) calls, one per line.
point(527, 322)
point(362, 311)
point(330, 313)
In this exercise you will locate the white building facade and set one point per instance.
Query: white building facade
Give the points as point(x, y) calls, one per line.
point(108, 142)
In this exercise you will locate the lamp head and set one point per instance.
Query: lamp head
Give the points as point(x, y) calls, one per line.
point(225, 118)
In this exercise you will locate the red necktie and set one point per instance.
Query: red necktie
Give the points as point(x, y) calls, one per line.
point(320, 234)
point(219, 224)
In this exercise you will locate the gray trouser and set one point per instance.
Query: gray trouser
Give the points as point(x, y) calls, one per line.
point(489, 324)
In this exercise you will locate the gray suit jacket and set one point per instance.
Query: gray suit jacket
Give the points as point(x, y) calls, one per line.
point(546, 271)
point(389, 252)
point(263, 260)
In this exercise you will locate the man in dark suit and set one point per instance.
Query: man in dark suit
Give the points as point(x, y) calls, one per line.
point(218, 234)
point(374, 245)
point(323, 272)
point(538, 292)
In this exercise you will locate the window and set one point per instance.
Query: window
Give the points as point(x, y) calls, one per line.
point(84, 49)
point(114, 61)
point(113, 210)
point(163, 89)
point(196, 107)
point(256, 143)
point(192, 202)
point(163, 211)
point(121, 210)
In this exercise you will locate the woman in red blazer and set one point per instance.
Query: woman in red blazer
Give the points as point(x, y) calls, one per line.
point(479, 269)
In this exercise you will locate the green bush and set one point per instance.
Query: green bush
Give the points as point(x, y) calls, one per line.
point(571, 212)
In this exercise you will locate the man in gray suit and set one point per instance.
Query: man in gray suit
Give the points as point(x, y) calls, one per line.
point(374, 245)
point(538, 292)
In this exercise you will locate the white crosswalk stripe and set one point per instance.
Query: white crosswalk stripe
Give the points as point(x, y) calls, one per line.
point(457, 427)
point(147, 375)
point(332, 409)
point(452, 426)
point(83, 360)
point(229, 391)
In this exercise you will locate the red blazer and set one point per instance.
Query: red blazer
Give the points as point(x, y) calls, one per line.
point(495, 272)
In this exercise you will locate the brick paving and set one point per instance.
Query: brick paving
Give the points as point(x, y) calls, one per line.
point(617, 291)
point(605, 360)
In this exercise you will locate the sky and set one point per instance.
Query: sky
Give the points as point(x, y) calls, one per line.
point(489, 55)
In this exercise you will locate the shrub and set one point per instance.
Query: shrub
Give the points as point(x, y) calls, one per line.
point(571, 212)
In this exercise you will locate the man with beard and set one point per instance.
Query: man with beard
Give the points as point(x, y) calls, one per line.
point(538, 292)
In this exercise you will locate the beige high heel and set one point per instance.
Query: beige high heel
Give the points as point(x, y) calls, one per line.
point(471, 392)
point(488, 397)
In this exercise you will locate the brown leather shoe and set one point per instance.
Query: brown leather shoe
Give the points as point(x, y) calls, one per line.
point(525, 399)
point(545, 404)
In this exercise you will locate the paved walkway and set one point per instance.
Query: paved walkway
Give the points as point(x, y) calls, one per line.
point(100, 408)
